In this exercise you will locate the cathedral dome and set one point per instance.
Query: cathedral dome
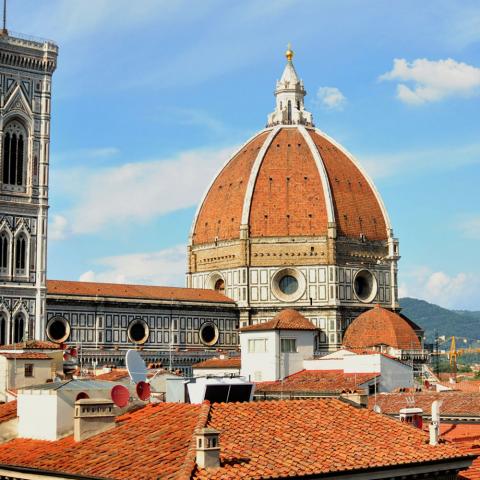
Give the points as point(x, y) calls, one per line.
point(380, 326)
point(290, 180)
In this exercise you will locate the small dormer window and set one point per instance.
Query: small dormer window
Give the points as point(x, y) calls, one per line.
point(257, 345)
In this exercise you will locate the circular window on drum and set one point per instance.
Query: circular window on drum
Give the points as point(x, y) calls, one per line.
point(365, 286)
point(58, 329)
point(138, 331)
point(209, 334)
point(288, 285)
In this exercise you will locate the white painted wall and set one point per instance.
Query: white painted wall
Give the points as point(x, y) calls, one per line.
point(274, 365)
point(12, 374)
point(393, 374)
point(219, 372)
point(37, 415)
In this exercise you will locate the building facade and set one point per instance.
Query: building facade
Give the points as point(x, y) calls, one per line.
point(26, 68)
point(292, 221)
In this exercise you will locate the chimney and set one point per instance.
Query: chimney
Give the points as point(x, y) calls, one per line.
point(412, 415)
point(92, 416)
point(434, 427)
point(207, 448)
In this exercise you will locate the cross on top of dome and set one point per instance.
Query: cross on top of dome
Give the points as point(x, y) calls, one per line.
point(290, 94)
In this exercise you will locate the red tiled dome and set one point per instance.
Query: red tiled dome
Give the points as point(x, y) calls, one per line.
point(290, 181)
point(380, 326)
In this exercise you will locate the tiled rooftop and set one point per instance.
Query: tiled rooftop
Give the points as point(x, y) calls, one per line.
point(287, 319)
point(146, 292)
point(317, 381)
point(454, 403)
point(219, 363)
point(258, 440)
point(26, 356)
point(8, 411)
point(465, 386)
point(31, 345)
point(113, 376)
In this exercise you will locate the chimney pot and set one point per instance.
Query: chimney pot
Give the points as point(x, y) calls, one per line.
point(92, 416)
point(207, 448)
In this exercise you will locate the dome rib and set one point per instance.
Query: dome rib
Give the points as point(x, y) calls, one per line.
point(254, 174)
point(342, 149)
point(322, 172)
point(195, 225)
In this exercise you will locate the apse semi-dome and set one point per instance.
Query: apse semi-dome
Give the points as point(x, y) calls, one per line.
point(293, 221)
point(381, 327)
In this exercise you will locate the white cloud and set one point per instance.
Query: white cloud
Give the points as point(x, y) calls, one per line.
point(331, 98)
point(137, 192)
point(459, 290)
point(98, 153)
point(470, 227)
point(381, 165)
point(432, 81)
point(58, 227)
point(164, 267)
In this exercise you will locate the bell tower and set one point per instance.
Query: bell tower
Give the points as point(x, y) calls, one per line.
point(26, 68)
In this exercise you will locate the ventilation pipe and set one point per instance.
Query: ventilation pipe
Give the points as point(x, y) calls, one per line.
point(434, 427)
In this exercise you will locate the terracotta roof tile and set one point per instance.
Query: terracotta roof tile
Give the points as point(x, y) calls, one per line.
point(279, 439)
point(146, 292)
point(258, 440)
point(31, 345)
point(26, 356)
point(8, 411)
point(149, 443)
point(113, 376)
point(465, 386)
point(454, 403)
point(317, 381)
point(219, 363)
point(379, 326)
point(287, 319)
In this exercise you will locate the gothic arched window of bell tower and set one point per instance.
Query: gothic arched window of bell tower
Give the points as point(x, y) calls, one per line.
point(4, 247)
point(14, 154)
point(20, 254)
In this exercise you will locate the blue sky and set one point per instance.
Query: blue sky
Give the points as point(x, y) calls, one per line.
point(150, 98)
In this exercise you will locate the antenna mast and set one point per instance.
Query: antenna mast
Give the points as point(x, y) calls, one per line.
point(4, 31)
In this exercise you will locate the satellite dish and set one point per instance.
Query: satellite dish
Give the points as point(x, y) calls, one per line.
point(120, 395)
point(136, 366)
point(143, 391)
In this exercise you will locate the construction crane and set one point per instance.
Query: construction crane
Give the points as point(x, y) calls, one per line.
point(454, 354)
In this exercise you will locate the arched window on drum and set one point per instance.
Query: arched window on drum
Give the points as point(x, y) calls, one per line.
point(14, 154)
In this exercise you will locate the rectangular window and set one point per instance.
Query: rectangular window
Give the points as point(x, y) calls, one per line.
point(289, 345)
point(257, 345)
point(29, 369)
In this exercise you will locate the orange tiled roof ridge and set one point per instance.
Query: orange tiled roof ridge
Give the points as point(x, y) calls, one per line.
point(327, 381)
point(234, 362)
point(26, 356)
point(272, 439)
point(31, 345)
point(147, 292)
point(287, 319)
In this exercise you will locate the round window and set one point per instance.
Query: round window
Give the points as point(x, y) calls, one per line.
point(138, 331)
point(58, 329)
point(365, 286)
point(209, 334)
point(288, 285)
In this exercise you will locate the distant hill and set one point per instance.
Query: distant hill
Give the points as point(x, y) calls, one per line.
point(461, 323)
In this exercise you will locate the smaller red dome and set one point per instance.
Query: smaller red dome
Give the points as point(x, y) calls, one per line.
point(380, 326)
